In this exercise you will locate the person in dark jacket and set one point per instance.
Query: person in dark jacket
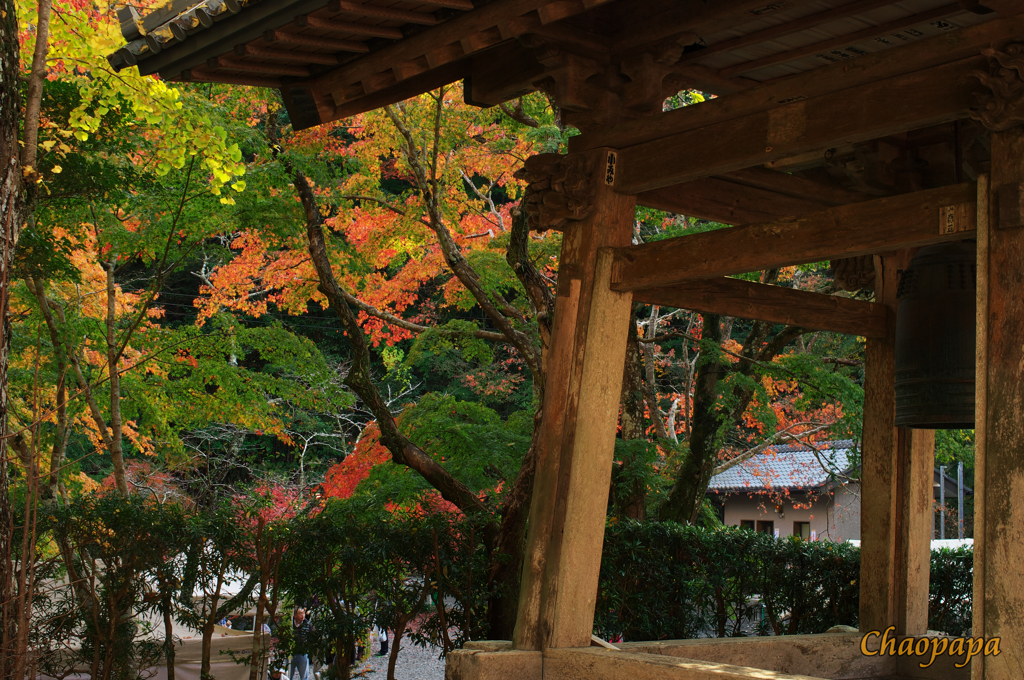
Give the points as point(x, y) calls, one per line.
point(300, 656)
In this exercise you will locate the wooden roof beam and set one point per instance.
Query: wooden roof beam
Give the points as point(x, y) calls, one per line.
point(258, 67)
point(377, 12)
point(640, 30)
point(882, 225)
point(285, 55)
point(305, 20)
point(941, 49)
point(198, 75)
point(940, 94)
point(747, 300)
point(314, 41)
point(843, 40)
point(787, 28)
point(423, 44)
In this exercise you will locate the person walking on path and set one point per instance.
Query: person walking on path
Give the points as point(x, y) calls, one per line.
point(300, 655)
point(383, 637)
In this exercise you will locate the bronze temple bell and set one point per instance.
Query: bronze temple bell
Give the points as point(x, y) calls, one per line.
point(935, 338)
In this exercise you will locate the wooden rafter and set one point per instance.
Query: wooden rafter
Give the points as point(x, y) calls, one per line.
point(843, 40)
point(453, 32)
point(258, 67)
point(882, 225)
point(787, 28)
point(348, 27)
point(390, 13)
point(285, 55)
point(314, 41)
point(747, 300)
point(642, 30)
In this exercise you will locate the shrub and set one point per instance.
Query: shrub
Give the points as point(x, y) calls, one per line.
point(668, 581)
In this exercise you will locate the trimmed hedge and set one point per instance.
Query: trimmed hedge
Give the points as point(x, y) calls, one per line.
point(950, 590)
point(668, 581)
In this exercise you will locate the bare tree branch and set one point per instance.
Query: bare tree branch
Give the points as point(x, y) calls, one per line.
point(781, 434)
point(519, 114)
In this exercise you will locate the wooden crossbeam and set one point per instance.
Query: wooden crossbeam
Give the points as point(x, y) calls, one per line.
point(798, 187)
point(747, 300)
point(882, 225)
point(940, 94)
point(718, 199)
point(865, 70)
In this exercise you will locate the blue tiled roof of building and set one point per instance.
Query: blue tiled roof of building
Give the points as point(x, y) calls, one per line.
point(788, 467)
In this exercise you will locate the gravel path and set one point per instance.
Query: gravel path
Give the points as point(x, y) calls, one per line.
point(414, 663)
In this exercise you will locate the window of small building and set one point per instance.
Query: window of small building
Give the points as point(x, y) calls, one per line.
point(766, 526)
point(802, 530)
point(747, 524)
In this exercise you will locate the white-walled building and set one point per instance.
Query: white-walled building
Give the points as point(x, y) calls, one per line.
point(799, 491)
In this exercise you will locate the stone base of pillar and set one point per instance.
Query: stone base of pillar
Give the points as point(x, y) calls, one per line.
point(792, 657)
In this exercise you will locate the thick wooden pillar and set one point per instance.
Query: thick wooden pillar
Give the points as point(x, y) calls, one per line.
point(999, 421)
point(581, 402)
point(896, 486)
point(915, 535)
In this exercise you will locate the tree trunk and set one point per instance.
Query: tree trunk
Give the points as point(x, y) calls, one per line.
point(687, 495)
point(632, 502)
point(11, 204)
point(710, 421)
point(168, 635)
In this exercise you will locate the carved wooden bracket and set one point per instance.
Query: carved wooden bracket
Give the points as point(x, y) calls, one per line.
point(1004, 107)
point(559, 190)
point(854, 273)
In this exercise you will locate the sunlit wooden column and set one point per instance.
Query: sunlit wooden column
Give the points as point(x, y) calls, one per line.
point(584, 375)
point(896, 486)
point(999, 420)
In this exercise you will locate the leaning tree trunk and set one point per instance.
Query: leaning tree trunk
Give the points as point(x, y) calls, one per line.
point(631, 501)
point(687, 494)
point(10, 224)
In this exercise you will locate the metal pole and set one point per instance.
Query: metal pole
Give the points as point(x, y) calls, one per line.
point(960, 498)
point(942, 502)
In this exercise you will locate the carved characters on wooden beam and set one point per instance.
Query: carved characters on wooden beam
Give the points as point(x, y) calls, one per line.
point(1004, 107)
point(559, 190)
point(854, 273)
